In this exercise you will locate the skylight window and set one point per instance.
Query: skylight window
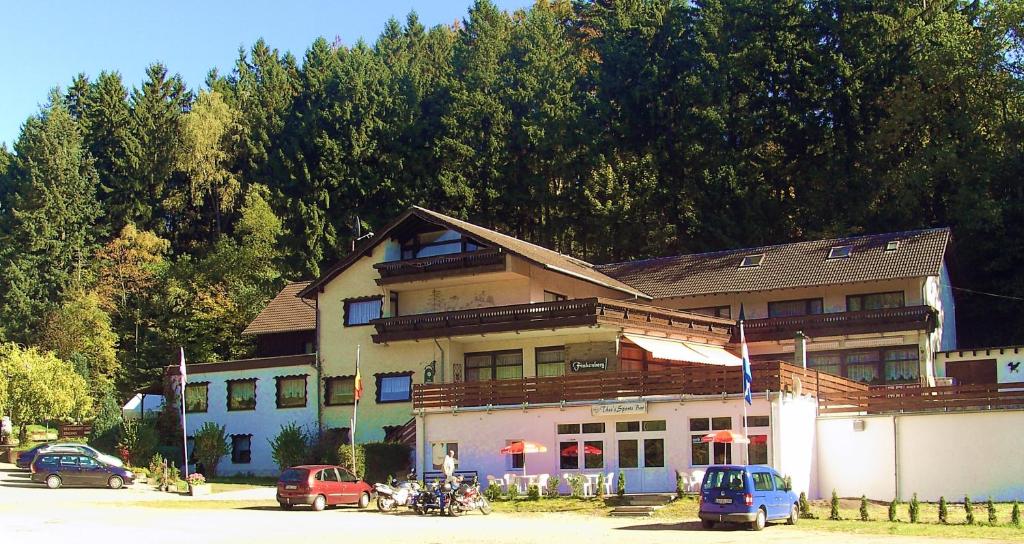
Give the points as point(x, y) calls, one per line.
point(892, 245)
point(752, 261)
point(840, 252)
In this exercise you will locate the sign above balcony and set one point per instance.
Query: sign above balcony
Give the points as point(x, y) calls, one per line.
point(619, 409)
point(594, 365)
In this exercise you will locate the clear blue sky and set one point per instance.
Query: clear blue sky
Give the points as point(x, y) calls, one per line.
point(46, 42)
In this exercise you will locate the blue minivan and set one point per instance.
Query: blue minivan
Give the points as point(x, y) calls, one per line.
point(751, 494)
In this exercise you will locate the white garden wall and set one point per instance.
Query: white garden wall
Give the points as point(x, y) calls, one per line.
point(933, 455)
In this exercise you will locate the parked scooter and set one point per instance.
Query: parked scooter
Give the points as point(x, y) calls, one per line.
point(394, 494)
point(465, 497)
point(434, 498)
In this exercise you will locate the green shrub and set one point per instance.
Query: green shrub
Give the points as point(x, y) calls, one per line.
point(210, 444)
point(969, 510)
point(914, 509)
point(290, 447)
point(157, 465)
point(864, 508)
point(136, 441)
point(533, 492)
point(992, 518)
point(324, 446)
point(513, 492)
point(576, 485)
point(805, 507)
point(680, 485)
point(621, 486)
point(553, 486)
point(943, 510)
point(600, 486)
point(376, 460)
point(492, 492)
point(834, 512)
point(892, 509)
point(1015, 514)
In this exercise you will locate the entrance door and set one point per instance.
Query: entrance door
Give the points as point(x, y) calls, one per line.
point(972, 372)
point(642, 457)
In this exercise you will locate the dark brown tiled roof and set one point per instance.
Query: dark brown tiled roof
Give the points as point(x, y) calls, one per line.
point(544, 257)
point(802, 264)
point(285, 313)
point(243, 364)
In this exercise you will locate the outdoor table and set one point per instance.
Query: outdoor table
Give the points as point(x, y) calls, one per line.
point(527, 480)
point(592, 481)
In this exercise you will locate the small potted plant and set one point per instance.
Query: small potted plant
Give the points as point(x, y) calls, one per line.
point(197, 485)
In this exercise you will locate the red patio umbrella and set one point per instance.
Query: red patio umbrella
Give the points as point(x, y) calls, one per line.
point(523, 447)
point(587, 449)
point(725, 437)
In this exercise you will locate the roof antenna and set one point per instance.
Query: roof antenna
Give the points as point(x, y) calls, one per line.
point(359, 233)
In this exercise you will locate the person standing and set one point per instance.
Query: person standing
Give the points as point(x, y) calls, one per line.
point(448, 466)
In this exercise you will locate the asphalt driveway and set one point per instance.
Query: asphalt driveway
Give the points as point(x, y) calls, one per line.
point(30, 512)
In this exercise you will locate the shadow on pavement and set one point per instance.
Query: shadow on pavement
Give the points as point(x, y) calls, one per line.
point(680, 526)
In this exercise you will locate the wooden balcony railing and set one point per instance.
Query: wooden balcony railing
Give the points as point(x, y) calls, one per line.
point(690, 380)
point(549, 315)
point(839, 323)
point(476, 262)
point(924, 399)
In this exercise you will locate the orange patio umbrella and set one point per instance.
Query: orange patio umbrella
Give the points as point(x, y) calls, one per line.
point(725, 437)
point(575, 448)
point(523, 447)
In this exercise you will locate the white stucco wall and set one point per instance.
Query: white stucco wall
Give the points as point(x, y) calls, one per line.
point(263, 423)
point(933, 455)
point(481, 434)
point(794, 438)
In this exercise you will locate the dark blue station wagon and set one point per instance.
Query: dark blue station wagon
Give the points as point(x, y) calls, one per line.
point(65, 468)
point(750, 494)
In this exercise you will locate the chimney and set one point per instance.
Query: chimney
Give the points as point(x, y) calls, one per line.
point(800, 350)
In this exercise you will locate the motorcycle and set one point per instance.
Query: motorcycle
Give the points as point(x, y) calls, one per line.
point(466, 497)
point(434, 498)
point(394, 494)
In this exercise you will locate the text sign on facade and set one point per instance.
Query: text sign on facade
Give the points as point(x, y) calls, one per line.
point(619, 409)
point(589, 366)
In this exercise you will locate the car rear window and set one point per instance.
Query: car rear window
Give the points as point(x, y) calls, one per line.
point(48, 459)
point(292, 475)
point(724, 479)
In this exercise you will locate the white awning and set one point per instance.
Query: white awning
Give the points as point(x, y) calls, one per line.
point(680, 350)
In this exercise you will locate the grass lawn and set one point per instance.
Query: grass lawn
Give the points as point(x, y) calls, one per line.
point(251, 481)
point(224, 487)
point(592, 507)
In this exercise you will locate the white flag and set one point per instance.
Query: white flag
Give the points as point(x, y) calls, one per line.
point(181, 366)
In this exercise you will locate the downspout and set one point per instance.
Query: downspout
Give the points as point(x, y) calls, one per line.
point(896, 455)
point(442, 360)
point(317, 370)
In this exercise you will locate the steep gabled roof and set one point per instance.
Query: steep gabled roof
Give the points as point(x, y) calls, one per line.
point(285, 313)
point(546, 258)
point(919, 253)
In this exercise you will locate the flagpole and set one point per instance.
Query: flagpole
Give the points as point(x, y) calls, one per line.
point(747, 378)
point(184, 431)
point(355, 412)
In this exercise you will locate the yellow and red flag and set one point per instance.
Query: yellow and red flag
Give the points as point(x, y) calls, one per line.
point(358, 385)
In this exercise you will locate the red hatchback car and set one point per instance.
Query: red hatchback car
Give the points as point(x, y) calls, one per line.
point(321, 486)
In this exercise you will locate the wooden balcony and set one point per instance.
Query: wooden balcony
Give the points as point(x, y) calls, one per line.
point(550, 315)
point(924, 399)
point(686, 379)
point(472, 262)
point(840, 323)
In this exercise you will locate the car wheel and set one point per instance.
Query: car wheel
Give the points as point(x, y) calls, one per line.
point(793, 515)
point(759, 521)
point(285, 506)
point(115, 482)
point(364, 500)
point(707, 524)
point(53, 481)
point(319, 503)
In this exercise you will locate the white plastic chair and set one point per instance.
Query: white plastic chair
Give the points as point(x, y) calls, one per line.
point(608, 483)
point(495, 481)
point(510, 480)
point(542, 482)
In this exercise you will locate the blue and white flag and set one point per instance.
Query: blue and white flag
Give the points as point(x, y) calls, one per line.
point(745, 354)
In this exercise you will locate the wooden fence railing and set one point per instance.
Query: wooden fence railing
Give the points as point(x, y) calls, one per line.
point(924, 399)
point(690, 379)
point(774, 328)
point(437, 263)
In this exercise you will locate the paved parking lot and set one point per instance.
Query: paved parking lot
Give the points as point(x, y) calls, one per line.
point(29, 512)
